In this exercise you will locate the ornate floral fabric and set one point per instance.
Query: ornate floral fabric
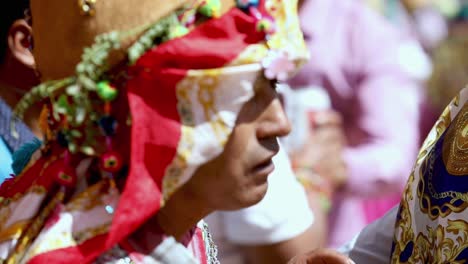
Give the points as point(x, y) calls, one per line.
point(432, 222)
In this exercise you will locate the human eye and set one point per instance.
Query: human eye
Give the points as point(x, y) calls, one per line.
point(274, 84)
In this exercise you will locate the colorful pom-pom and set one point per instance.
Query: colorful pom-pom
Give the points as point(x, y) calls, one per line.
point(111, 162)
point(61, 170)
point(106, 91)
point(66, 176)
point(278, 65)
point(210, 8)
point(266, 25)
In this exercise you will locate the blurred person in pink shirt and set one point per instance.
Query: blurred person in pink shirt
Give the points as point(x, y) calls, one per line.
point(373, 75)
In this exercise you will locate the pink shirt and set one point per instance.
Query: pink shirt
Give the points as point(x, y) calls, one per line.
point(357, 57)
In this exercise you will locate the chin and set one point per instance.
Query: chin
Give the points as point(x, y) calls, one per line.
point(255, 195)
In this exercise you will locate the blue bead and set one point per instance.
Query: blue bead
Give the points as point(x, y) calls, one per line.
point(246, 4)
point(109, 209)
point(108, 125)
point(62, 139)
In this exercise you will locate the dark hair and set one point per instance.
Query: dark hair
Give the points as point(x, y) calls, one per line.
point(10, 10)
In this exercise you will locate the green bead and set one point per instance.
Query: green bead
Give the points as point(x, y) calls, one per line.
point(72, 147)
point(211, 8)
point(139, 47)
point(80, 68)
point(114, 36)
point(89, 68)
point(178, 31)
point(88, 150)
point(133, 55)
point(61, 105)
point(106, 91)
point(146, 41)
point(73, 90)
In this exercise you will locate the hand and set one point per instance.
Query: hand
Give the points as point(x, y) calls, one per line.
point(329, 140)
point(321, 256)
point(322, 152)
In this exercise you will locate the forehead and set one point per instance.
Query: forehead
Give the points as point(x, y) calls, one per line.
point(61, 31)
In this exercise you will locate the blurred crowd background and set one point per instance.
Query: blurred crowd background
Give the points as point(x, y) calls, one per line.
point(380, 74)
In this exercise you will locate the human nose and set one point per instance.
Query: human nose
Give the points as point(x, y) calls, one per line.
point(273, 122)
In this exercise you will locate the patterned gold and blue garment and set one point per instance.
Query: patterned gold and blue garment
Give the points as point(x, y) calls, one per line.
point(432, 222)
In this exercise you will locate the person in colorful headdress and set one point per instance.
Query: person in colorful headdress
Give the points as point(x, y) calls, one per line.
point(159, 113)
point(270, 230)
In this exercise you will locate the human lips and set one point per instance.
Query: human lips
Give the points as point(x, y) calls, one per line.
point(264, 168)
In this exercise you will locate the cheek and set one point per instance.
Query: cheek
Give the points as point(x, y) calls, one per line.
point(240, 143)
point(251, 195)
point(225, 182)
point(242, 155)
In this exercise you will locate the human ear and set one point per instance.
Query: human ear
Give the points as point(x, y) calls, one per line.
point(20, 42)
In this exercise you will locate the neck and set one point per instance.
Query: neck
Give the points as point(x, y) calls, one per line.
point(15, 81)
point(178, 216)
point(10, 94)
point(181, 213)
